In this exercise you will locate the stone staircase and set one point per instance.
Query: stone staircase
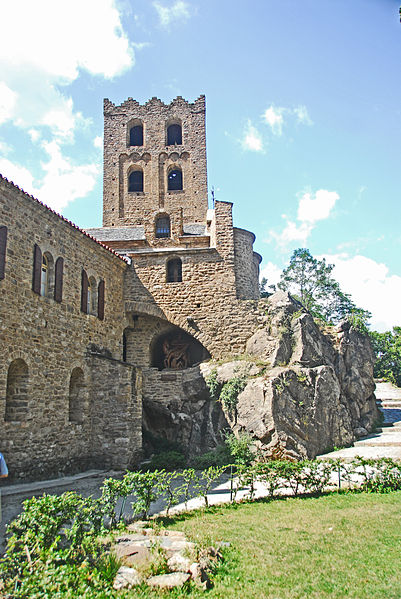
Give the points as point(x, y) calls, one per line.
point(386, 440)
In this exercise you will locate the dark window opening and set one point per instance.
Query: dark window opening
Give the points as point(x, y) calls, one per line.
point(135, 181)
point(136, 135)
point(174, 271)
point(175, 179)
point(163, 227)
point(174, 135)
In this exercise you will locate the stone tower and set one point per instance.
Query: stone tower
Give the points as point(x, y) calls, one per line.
point(155, 173)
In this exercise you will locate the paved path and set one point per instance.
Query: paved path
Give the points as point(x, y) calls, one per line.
point(386, 441)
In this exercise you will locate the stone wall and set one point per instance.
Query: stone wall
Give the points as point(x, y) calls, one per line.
point(246, 265)
point(43, 341)
point(155, 158)
point(204, 303)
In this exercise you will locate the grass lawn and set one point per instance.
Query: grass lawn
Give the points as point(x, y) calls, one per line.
point(336, 546)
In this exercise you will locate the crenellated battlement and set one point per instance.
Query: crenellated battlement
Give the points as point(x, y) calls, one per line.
point(131, 104)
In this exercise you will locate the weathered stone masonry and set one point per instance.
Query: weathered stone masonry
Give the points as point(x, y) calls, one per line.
point(50, 339)
point(72, 384)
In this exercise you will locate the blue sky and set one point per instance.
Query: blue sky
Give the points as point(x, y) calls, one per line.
point(303, 116)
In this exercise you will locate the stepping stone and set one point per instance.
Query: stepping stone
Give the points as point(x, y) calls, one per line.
point(126, 578)
point(168, 581)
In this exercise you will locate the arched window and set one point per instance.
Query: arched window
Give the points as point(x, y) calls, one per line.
point(135, 181)
point(136, 135)
point(163, 226)
point(174, 135)
point(174, 179)
point(174, 271)
point(76, 397)
point(17, 392)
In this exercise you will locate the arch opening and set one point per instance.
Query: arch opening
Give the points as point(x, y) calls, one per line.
point(174, 180)
point(177, 350)
point(17, 392)
point(174, 134)
point(136, 135)
point(135, 181)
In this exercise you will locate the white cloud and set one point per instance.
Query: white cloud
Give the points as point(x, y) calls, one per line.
point(179, 11)
point(62, 183)
point(252, 139)
point(8, 99)
point(371, 286)
point(19, 175)
point(274, 118)
point(311, 209)
point(301, 112)
point(58, 40)
point(271, 272)
point(98, 142)
point(39, 54)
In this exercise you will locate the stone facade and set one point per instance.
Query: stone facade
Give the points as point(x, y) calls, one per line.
point(54, 355)
point(94, 325)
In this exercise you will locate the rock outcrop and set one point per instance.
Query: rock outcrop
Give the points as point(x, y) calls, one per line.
point(307, 389)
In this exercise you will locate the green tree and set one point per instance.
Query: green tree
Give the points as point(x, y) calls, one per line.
point(309, 280)
point(387, 347)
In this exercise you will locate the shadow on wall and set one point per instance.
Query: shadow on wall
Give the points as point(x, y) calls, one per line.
point(176, 350)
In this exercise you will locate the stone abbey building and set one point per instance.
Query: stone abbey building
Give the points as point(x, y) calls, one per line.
point(95, 323)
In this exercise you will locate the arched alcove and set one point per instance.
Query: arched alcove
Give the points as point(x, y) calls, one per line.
point(76, 397)
point(175, 349)
point(17, 392)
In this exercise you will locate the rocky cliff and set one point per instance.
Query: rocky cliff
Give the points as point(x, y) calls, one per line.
point(302, 389)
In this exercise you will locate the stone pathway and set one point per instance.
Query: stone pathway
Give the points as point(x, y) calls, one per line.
point(386, 441)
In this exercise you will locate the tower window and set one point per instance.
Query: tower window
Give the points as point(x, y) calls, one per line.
point(44, 276)
point(174, 135)
point(174, 271)
point(175, 180)
point(136, 135)
point(163, 227)
point(135, 181)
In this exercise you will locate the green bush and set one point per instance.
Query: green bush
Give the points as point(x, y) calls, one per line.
point(169, 460)
point(217, 457)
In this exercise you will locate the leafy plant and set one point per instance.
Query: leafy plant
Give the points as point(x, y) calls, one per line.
point(241, 448)
point(229, 393)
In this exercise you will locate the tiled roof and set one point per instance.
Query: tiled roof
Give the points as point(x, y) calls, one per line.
point(117, 233)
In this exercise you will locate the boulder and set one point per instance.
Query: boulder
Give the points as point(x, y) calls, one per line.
point(317, 388)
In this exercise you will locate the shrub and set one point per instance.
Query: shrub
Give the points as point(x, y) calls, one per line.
point(170, 460)
point(241, 448)
point(229, 393)
point(217, 457)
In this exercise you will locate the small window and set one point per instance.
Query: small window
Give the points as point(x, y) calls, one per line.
point(135, 181)
point(44, 276)
point(136, 135)
point(175, 179)
point(174, 135)
point(174, 271)
point(163, 227)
